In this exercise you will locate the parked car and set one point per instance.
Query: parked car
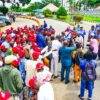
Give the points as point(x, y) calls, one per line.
point(4, 21)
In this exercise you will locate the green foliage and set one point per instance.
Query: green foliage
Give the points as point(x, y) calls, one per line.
point(62, 17)
point(55, 2)
point(32, 7)
point(15, 8)
point(91, 18)
point(25, 2)
point(4, 10)
point(90, 2)
point(47, 13)
point(61, 12)
point(31, 14)
point(77, 18)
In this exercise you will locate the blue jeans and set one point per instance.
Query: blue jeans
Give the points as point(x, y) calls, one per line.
point(63, 69)
point(86, 85)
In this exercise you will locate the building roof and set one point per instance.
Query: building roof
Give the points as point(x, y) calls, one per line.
point(98, 8)
point(51, 7)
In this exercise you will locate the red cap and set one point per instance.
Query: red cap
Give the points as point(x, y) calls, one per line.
point(35, 55)
point(8, 38)
point(21, 53)
point(15, 50)
point(32, 83)
point(15, 63)
point(34, 45)
point(39, 66)
point(5, 96)
point(3, 48)
point(37, 49)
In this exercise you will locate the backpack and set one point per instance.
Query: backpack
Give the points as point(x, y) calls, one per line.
point(90, 72)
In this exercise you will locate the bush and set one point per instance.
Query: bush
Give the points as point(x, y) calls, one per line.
point(47, 13)
point(30, 8)
point(77, 18)
point(61, 12)
point(62, 17)
point(4, 10)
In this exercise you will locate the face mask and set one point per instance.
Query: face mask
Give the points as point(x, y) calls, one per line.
point(1, 63)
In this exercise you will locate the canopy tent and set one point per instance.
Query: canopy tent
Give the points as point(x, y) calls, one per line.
point(51, 7)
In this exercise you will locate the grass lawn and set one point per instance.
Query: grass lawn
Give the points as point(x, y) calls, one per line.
point(67, 20)
point(91, 18)
point(86, 18)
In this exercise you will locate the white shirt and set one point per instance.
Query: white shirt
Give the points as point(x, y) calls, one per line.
point(92, 32)
point(30, 67)
point(55, 46)
point(67, 36)
point(79, 39)
point(46, 92)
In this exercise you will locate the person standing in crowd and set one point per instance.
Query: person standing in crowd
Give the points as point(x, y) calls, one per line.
point(66, 60)
point(87, 66)
point(77, 55)
point(95, 45)
point(56, 44)
point(92, 32)
point(98, 38)
point(22, 61)
point(30, 66)
point(10, 78)
point(45, 25)
point(68, 34)
point(45, 87)
point(82, 33)
point(40, 39)
point(79, 39)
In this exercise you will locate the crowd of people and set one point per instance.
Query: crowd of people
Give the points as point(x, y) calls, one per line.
point(30, 57)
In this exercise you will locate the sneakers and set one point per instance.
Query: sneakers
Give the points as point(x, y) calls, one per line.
point(67, 82)
point(81, 98)
point(62, 80)
point(89, 98)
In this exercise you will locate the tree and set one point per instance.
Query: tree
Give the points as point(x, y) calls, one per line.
point(90, 3)
point(15, 7)
point(32, 7)
point(25, 2)
point(61, 12)
point(55, 2)
point(4, 10)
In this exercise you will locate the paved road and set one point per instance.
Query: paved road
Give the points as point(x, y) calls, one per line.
point(62, 91)
point(21, 23)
